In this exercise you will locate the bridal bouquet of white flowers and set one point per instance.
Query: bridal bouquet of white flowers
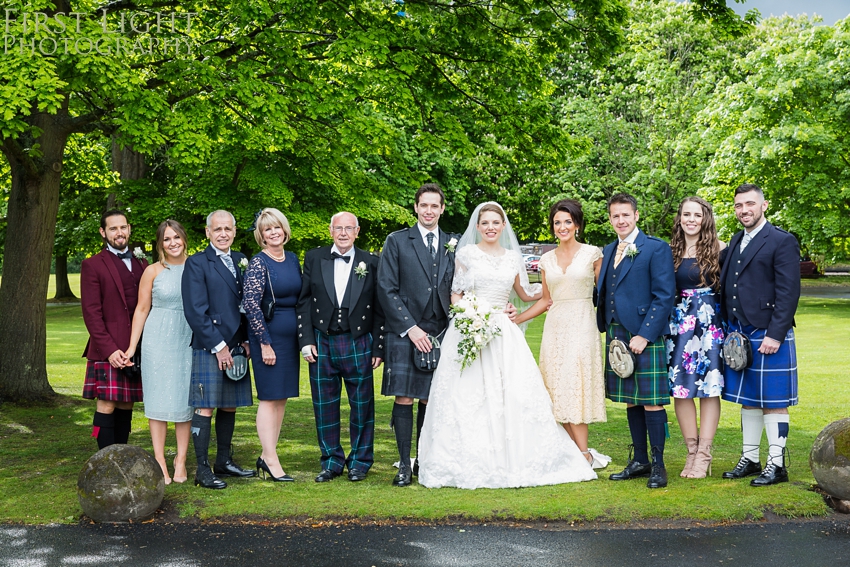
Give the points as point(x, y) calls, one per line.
point(472, 319)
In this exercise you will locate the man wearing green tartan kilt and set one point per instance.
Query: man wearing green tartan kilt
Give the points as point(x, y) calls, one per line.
point(636, 290)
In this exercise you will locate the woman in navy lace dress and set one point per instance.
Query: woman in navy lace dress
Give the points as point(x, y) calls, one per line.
point(696, 334)
point(274, 343)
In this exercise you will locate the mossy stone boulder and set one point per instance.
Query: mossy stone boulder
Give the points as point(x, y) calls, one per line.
point(830, 459)
point(120, 483)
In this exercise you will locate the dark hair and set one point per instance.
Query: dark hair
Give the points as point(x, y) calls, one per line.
point(160, 237)
point(622, 199)
point(708, 247)
point(747, 187)
point(491, 208)
point(570, 206)
point(111, 213)
point(430, 188)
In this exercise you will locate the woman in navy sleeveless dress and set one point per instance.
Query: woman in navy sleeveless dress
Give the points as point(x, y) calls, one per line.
point(274, 344)
point(695, 367)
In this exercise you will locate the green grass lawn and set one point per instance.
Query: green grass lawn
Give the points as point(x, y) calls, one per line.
point(42, 450)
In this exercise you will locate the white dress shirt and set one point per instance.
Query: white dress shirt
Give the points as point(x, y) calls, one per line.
point(126, 261)
point(751, 234)
point(342, 272)
point(220, 346)
point(632, 236)
point(425, 232)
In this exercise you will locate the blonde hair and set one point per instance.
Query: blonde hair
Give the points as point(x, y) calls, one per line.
point(271, 217)
point(160, 238)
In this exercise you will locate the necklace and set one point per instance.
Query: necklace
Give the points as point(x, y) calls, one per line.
point(273, 257)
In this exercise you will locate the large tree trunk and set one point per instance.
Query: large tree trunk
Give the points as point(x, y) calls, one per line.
point(33, 207)
point(63, 287)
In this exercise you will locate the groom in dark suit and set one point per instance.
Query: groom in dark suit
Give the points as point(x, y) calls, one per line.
point(212, 300)
point(414, 280)
point(341, 334)
point(761, 289)
point(637, 287)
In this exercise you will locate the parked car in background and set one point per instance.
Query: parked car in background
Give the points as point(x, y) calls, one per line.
point(529, 259)
point(533, 265)
point(808, 269)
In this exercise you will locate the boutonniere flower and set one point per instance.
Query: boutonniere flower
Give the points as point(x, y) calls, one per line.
point(243, 264)
point(451, 245)
point(632, 251)
point(360, 270)
point(139, 253)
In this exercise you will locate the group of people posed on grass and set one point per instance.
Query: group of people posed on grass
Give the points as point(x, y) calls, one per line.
point(445, 314)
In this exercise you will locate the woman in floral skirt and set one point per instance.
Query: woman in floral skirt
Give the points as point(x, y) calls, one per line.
point(696, 333)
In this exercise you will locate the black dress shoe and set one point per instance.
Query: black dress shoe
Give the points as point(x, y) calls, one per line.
point(657, 477)
point(205, 478)
point(355, 475)
point(326, 475)
point(744, 468)
point(633, 470)
point(771, 474)
point(403, 476)
point(416, 466)
point(230, 468)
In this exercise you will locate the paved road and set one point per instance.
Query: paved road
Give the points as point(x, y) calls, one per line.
point(825, 542)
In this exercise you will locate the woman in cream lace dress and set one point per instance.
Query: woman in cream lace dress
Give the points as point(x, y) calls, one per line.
point(570, 353)
point(490, 425)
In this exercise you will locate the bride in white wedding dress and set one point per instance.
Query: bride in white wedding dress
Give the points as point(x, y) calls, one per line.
point(491, 425)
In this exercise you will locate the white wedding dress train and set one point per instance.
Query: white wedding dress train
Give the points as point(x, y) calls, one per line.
point(491, 424)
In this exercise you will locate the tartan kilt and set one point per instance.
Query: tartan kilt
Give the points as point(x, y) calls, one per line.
point(771, 380)
point(401, 377)
point(648, 385)
point(211, 388)
point(103, 382)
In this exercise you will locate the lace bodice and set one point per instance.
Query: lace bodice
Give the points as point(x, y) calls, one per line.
point(491, 278)
point(576, 282)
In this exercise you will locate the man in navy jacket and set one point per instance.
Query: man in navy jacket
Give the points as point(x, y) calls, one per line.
point(761, 288)
point(636, 290)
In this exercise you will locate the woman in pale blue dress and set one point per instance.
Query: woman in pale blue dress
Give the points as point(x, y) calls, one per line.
point(166, 351)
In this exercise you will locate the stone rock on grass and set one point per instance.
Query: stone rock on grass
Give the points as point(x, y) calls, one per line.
point(830, 459)
point(120, 483)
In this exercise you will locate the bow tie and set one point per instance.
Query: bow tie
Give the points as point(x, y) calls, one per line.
point(337, 256)
point(124, 255)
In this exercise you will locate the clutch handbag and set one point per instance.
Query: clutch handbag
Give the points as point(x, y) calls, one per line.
point(135, 372)
point(621, 359)
point(268, 302)
point(427, 361)
point(737, 351)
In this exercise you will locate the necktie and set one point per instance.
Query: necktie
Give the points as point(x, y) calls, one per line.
point(126, 255)
point(431, 245)
point(228, 261)
point(745, 241)
point(621, 248)
point(337, 256)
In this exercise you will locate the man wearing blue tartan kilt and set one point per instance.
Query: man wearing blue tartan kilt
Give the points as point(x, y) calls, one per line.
point(341, 334)
point(761, 289)
point(636, 290)
point(212, 299)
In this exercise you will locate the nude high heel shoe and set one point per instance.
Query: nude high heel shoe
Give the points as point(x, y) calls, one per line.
point(692, 445)
point(702, 462)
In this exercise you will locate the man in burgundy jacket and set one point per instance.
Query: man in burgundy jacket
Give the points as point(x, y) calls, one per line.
point(109, 287)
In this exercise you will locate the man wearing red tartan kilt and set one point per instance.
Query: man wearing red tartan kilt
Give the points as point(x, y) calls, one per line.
point(636, 291)
point(761, 289)
point(109, 289)
point(341, 334)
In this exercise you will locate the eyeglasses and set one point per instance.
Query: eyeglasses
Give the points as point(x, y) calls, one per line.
point(348, 229)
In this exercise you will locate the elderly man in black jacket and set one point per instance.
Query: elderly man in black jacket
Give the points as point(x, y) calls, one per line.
point(341, 334)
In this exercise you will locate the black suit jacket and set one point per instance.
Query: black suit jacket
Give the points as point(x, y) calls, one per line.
point(316, 303)
point(768, 280)
point(211, 300)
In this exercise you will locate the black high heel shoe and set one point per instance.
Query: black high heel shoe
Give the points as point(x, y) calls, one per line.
point(262, 466)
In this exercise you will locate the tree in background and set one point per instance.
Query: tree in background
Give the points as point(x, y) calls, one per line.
point(307, 81)
point(782, 121)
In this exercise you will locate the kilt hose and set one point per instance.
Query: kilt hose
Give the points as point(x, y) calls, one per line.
point(771, 380)
point(343, 360)
point(648, 385)
point(103, 382)
point(211, 388)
